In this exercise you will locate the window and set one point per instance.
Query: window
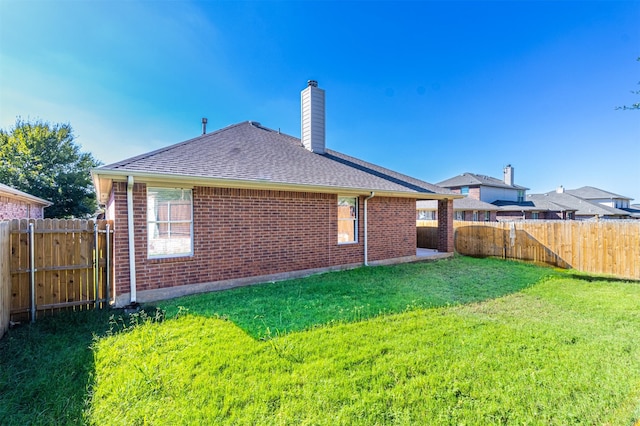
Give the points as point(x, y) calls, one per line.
point(520, 196)
point(426, 215)
point(347, 220)
point(458, 215)
point(169, 222)
point(475, 215)
point(487, 216)
point(464, 190)
point(535, 215)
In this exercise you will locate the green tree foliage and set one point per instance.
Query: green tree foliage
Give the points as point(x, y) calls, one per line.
point(43, 160)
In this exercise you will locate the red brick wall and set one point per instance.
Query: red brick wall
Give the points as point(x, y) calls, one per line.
point(445, 226)
point(474, 192)
point(392, 228)
point(241, 233)
point(11, 208)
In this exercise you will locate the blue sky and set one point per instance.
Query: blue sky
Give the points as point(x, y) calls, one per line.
point(431, 89)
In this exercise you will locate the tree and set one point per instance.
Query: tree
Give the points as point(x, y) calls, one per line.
point(43, 160)
point(635, 92)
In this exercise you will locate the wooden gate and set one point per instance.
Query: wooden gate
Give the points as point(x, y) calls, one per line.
point(59, 264)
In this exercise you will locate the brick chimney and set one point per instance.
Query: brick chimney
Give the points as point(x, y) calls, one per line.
point(508, 174)
point(312, 118)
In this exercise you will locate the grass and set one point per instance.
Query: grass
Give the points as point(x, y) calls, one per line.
point(541, 347)
point(359, 294)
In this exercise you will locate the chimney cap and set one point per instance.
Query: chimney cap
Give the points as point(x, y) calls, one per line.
point(312, 83)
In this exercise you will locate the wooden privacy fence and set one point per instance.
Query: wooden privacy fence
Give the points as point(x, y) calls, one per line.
point(5, 279)
point(610, 247)
point(56, 264)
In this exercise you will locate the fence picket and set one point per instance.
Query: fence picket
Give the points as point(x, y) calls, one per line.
point(601, 247)
point(65, 276)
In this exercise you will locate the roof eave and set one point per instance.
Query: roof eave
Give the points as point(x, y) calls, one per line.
point(23, 196)
point(103, 179)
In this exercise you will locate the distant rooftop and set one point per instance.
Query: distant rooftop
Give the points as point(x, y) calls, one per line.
point(472, 179)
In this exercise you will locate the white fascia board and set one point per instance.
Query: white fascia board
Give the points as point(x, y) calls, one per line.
point(103, 178)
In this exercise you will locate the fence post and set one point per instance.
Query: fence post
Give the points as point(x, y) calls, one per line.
point(108, 267)
point(32, 272)
point(95, 263)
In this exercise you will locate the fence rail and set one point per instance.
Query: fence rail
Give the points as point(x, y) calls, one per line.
point(57, 264)
point(609, 247)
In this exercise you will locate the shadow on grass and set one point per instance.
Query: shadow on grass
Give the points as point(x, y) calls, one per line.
point(359, 294)
point(47, 368)
point(594, 278)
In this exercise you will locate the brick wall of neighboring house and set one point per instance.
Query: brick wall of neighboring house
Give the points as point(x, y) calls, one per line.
point(11, 208)
point(474, 193)
point(468, 216)
point(542, 215)
point(243, 233)
point(512, 215)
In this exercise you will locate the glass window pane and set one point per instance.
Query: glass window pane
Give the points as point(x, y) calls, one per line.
point(347, 219)
point(169, 218)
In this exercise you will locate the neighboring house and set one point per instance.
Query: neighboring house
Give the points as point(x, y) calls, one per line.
point(486, 188)
point(600, 196)
point(248, 204)
point(606, 198)
point(534, 207)
point(15, 204)
point(466, 208)
point(584, 208)
point(509, 201)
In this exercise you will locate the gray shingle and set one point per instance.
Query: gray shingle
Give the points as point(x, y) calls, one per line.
point(250, 152)
point(472, 179)
point(581, 206)
point(465, 204)
point(592, 193)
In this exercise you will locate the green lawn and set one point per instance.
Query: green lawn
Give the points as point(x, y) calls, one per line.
point(459, 341)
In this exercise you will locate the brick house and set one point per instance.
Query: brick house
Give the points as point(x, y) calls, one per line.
point(247, 204)
point(15, 204)
point(467, 209)
point(511, 201)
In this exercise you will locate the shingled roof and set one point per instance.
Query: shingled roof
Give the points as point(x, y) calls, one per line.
point(592, 193)
point(8, 191)
point(250, 155)
point(466, 204)
point(472, 179)
point(581, 206)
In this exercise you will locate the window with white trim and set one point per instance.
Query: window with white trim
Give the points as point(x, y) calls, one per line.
point(535, 215)
point(475, 215)
point(487, 216)
point(347, 220)
point(169, 222)
point(458, 215)
point(464, 190)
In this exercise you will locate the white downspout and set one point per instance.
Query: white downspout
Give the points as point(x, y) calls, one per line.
point(132, 248)
point(366, 233)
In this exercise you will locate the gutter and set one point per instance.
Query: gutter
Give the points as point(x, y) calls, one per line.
point(102, 181)
point(366, 233)
point(132, 249)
